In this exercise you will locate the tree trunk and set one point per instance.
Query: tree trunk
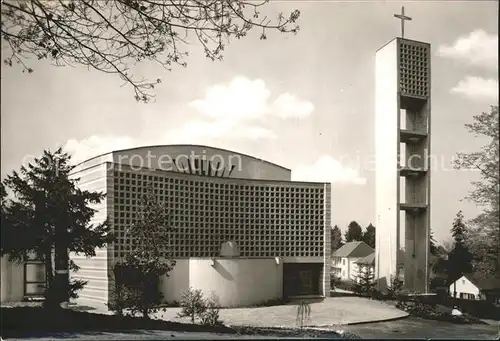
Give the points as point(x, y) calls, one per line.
point(50, 290)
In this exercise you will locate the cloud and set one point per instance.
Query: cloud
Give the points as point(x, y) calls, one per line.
point(477, 88)
point(289, 106)
point(244, 100)
point(478, 48)
point(237, 110)
point(327, 169)
point(86, 148)
point(233, 112)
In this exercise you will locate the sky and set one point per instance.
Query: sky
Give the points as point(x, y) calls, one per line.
point(303, 101)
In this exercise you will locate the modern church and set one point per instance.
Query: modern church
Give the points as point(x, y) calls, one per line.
point(242, 229)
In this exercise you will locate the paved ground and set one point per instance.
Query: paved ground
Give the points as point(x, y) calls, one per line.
point(330, 312)
point(400, 329)
point(412, 327)
point(154, 335)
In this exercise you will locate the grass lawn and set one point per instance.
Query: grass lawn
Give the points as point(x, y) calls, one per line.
point(24, 321)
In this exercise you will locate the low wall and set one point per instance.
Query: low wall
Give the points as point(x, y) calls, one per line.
point(177, 281)
point(238, 281)
point(12, 281)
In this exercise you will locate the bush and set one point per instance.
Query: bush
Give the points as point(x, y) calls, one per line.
point(192, 304)
point(395, 287)
point(425, 307)
point(346, 285)
point(136, 289)
point(334, 281)
point(76, 285)
point(195, 306)
point(117, 302)
point(211, 316)
point(377, 295)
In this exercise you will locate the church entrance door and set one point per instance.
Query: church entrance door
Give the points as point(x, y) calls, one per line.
point(306, 282)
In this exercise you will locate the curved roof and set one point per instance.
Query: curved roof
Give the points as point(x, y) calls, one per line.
point(185, 145)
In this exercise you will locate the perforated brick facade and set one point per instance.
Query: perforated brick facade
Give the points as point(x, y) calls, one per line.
point(265, 218)
point(414, 66)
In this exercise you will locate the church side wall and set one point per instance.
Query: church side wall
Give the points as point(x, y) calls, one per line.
point(94, 270)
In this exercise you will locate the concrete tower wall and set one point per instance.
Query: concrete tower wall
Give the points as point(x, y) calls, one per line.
point(386, 161)
point(403, 97)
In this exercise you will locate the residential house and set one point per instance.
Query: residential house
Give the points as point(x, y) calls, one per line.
point(476, 287)
point(366, 263)
point(344, 259)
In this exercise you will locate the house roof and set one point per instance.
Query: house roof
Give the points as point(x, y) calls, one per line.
point(484, 282)
point(354, 249)
point(368, 260)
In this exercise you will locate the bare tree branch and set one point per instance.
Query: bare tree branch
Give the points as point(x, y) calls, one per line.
point(111, 36)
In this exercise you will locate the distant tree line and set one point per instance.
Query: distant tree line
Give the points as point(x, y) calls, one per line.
point(353, 233)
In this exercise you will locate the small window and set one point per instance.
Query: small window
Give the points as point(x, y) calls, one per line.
point(463, 281)
point(343, 261)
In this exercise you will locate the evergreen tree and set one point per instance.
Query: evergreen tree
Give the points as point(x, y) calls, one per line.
point(365, 281)
point(354, 232)
point(149, 259)
point(369, 235)
point(438, 261)
point(45, 198)
point(432, 245)
point(336, 238)
point(459, 259)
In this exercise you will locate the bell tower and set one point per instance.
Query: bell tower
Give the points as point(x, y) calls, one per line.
point(402, 134)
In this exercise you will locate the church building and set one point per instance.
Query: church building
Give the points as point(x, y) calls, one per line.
point(242, 229)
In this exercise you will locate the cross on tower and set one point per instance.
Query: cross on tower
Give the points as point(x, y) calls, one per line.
point(402, 17)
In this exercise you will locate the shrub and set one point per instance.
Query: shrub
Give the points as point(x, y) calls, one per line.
point(346, 285)
point(117, 302)
point(211, 316)
point(395, 287)
point(334, 281)
point(76, 285)
point(192, 304)
point(135, 289)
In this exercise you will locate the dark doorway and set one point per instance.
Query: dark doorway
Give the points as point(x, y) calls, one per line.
point(300, 279)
